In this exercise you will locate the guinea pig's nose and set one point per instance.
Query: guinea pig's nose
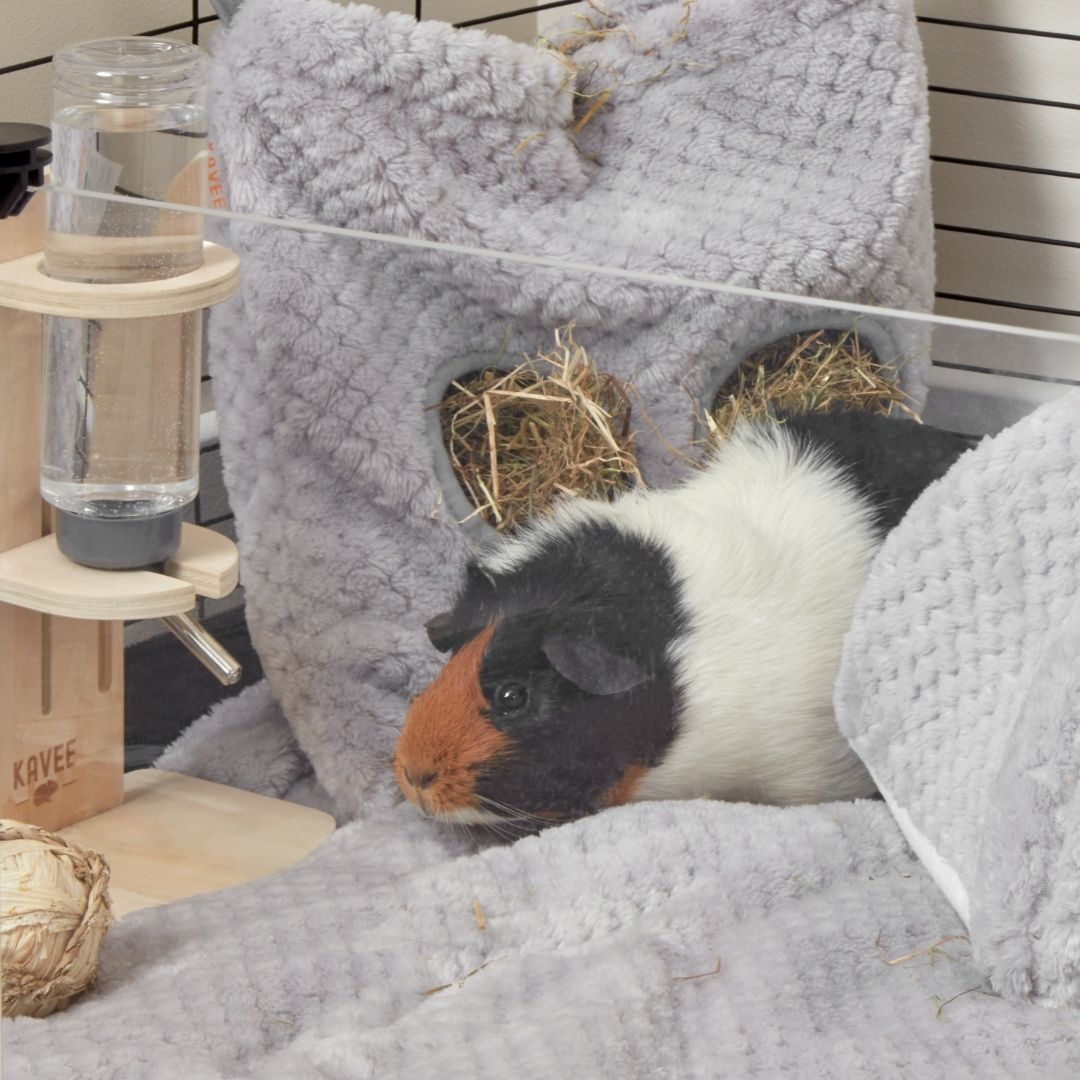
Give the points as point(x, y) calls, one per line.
point(421, 780)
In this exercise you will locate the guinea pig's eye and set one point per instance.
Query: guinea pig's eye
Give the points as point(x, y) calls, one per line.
point(511, 697)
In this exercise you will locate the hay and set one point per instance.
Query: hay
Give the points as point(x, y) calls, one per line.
point(931, 951)
point(481, 918)
point(939, 1005)
point(700, 975)
point(814, 371)
point(459, 983)
point(553, 426)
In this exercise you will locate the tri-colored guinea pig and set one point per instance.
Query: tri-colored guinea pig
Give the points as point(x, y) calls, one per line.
point(669, 644)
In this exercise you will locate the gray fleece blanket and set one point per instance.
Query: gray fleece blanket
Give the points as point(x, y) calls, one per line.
point(960, 690)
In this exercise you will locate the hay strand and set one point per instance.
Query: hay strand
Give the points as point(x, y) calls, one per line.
point(459, 983)
point(939, 1005)
point(930, 951)
point(814, 371)
point(528, 140)
point(552, 426)
point(478, 912)
point(700, 975)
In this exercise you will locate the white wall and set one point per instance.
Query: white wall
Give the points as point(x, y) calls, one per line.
point(1005, 113)
point(35, 28)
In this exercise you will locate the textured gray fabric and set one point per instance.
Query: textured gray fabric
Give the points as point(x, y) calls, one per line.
point(780, 144)
point(252, 740)
point(793, 159)
point(321, 972)
point(960, 690)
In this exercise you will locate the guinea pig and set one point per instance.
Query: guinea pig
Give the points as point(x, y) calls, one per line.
point(670, 644)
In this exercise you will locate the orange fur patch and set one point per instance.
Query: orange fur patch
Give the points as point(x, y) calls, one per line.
point(446, 733)
point(622, 791)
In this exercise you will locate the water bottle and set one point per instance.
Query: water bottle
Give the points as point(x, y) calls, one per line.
point(121, 450)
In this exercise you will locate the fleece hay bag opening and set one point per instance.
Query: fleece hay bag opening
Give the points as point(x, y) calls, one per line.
point(775, 144)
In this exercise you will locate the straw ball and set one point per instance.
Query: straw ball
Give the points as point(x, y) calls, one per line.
point(54, 914)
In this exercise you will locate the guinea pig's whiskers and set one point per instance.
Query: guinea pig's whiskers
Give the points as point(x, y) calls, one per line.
point(512, 814)
point(497, 831)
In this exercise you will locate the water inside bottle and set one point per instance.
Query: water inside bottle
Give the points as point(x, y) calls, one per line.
point(121, 424)
point(149, 153)
point(122, 400)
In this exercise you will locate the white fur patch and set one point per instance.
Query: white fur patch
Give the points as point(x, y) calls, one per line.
point(770, 547)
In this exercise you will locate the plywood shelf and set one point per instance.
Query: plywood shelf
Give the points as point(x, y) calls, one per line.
point(175, 836)
point(206, 560)
point(25, 287)
point(37, 576)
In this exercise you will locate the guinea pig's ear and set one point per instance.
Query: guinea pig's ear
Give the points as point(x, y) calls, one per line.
point(444, 632)
point(591, 667)
point(470, 614)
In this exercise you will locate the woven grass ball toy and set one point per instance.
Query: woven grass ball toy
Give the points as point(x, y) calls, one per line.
point(54, 914)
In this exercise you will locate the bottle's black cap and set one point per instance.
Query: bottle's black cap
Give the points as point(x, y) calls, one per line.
point(119, 543)
point(22, 164)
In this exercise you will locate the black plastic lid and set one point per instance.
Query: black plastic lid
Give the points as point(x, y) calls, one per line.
point(119, 543)
point(22, 164)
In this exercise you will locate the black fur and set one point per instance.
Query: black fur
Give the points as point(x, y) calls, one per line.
point(572, 746)
point(890, 460)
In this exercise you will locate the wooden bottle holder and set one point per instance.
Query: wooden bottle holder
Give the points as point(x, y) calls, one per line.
point(61, 625)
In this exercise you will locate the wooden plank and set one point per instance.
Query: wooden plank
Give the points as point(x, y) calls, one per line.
point(61, 681)
point(20, 420)
point(1008, 270)
point(1027, 204)
point(1049, 16)
point(207, 560)
point(39, 577)
point(993, 62)
point(1036, 320)
point(24, 285)
point(62, 745)
point(176, 836)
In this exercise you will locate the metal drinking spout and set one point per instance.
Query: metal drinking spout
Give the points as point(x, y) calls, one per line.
point(203, 646)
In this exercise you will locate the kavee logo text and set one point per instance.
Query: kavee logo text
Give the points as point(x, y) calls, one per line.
point(39, 776)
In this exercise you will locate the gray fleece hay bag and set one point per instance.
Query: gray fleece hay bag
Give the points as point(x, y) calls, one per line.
point(774, 144)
